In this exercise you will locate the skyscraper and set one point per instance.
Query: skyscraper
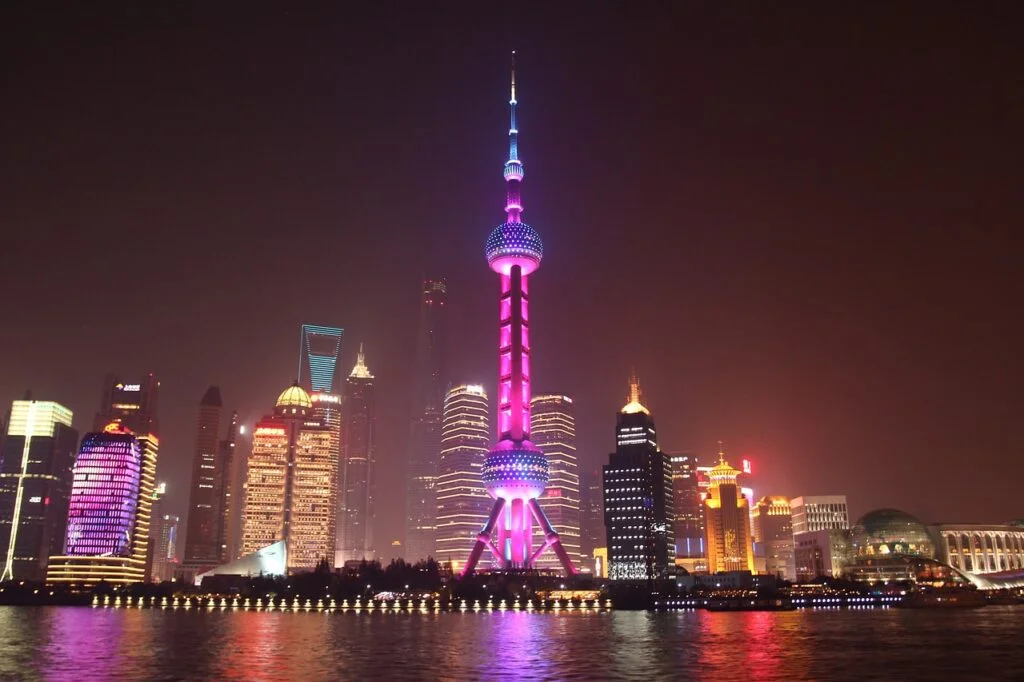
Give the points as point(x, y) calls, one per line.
point(773, 529)
point(689, 508)
point(425, 429)
point(638, 505)
point(819, 512)
point(291, 485)
point(515, 471)
point(131, 404)
point(163, 529)
point(36, 456)
point(206, 535)
point(231, 495)
point(355, 532)
point(553, 427)
point(462, 502)
point(318, 356)
point(592, 532)
point(110, 509)
point(727, 522)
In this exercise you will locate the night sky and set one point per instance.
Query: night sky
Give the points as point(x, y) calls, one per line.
point(802, 228)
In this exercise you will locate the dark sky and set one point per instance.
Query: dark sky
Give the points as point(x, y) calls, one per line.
point(801, 227)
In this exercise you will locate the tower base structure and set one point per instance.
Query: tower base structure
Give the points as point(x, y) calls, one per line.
point(510, 526)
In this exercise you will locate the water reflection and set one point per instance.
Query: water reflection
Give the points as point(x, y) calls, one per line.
point(87, 645)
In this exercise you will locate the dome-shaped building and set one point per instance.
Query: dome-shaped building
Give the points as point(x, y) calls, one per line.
point(891, 532)
point(293, 401)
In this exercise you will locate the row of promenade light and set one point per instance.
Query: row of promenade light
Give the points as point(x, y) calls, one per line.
point(357, 605)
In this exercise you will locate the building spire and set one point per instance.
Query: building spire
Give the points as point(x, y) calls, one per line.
point(721, 452)
point(513, 167)
point(634, 405)
point(360, 371)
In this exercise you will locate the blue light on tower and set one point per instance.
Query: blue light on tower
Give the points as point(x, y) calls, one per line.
point(320, 348)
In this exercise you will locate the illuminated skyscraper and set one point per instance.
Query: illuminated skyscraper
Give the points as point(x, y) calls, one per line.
point(553, 427)
point(318, 356)
point(355, 536)
point(36, 456)
point(462, 502)
point(206, 536)
point(515, 471)
point(819, 512)
point(110, 510)
point(638, 505)
point(689, 508)
point(773, 529)
point(291, 484)
point(727, 522)
point(129, 403)
point(425, 430)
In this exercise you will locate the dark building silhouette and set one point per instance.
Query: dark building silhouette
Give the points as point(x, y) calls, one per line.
point(638, 511)
point(132, 404)
point(355, 522)
point(425, 429)
point(205, 540)
point(689, 507)
point(592, 533)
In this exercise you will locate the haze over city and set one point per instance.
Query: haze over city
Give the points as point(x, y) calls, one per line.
point(798, 227)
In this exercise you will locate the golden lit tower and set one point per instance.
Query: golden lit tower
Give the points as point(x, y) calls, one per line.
point(727, 521)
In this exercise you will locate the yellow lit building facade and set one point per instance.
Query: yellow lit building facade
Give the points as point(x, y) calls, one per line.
point(553, 430)
point(292, 483)
point(462, 501)
point(727, 522)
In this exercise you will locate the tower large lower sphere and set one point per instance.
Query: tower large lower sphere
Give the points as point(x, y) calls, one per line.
point(515, 471)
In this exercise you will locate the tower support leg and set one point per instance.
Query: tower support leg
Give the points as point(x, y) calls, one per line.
point(483, 541)
point(551, 539)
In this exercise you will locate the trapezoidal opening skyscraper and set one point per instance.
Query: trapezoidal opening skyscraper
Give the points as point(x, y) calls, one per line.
point(515, 471)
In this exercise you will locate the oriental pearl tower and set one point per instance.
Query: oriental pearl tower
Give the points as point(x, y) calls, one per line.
point(515, 471)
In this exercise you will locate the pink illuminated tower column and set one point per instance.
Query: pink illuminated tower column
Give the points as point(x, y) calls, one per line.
point(515, 471)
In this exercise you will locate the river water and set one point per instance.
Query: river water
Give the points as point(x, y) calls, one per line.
point(96, 644)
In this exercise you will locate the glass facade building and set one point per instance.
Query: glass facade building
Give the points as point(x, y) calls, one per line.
point(355, 522)
point(36, 456)
point(110, 510)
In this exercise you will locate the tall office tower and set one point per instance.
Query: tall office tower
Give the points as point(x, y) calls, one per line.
point(553, 426)
point(291, 485)
point(819, 512)
point(318, 356)
point(36, 456)
point(727, 522)
point(163, 533)
point(110, 509)
point(205, 530)
point(155, 528)
point(592, 533)
point(231, 495)
point(425, 429)
point(133, 405)
point(689, 507)
point(773, 529)
point(462, 502)
point(515, 471)
point(638, 505)
point(355, 527)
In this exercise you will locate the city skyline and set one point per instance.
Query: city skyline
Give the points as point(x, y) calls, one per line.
point(790, 334)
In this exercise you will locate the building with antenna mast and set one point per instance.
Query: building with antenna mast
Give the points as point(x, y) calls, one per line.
point(515, 471)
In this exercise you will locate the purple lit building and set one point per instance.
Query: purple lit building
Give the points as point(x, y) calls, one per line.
point(515, 471)
point(110, 508)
